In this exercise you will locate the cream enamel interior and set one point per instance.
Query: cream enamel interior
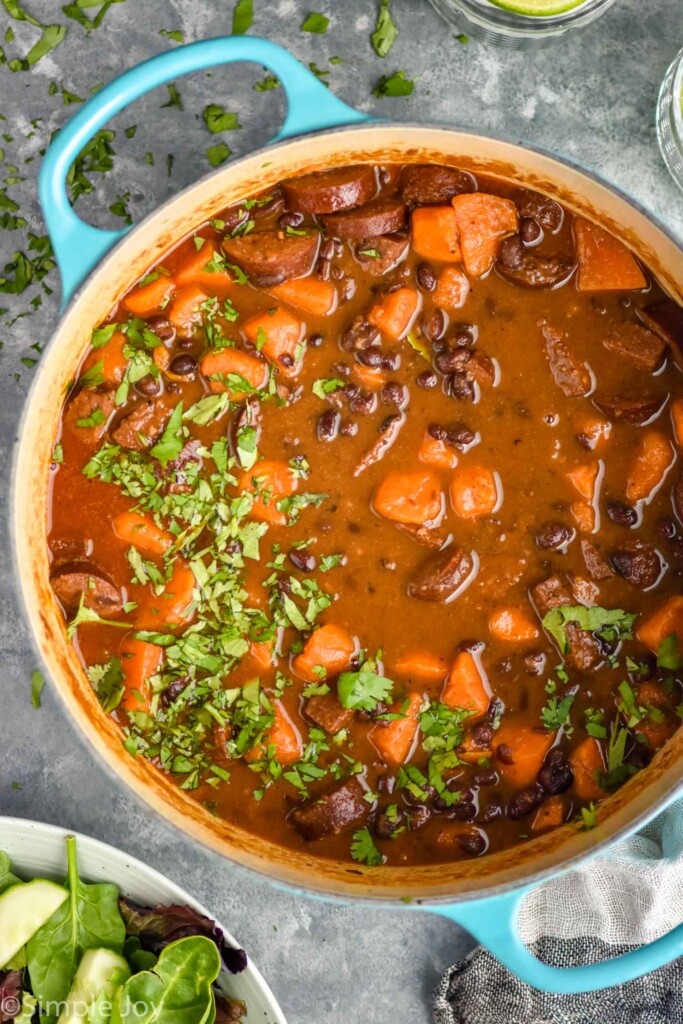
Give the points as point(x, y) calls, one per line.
point(462, 880)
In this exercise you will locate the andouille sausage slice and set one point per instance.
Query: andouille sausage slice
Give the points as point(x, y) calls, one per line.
point(632, 409)
point(332, 812)
point(544, 210)
point(382, 216)
point(340, 188)
point(666, 319)
point(270, 257)
point(584, 650)
point(442, 576)
point(643, 348)
point(326, 711)
point(381, 253)
point(98, 593)
point(141, 427)
point(538, 271)
point(432, 185)
point(569, 373)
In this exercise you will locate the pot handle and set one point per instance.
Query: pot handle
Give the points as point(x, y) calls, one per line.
point(77, 246)
point(494, 923)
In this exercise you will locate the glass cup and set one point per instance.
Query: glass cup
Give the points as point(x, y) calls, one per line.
point(492, 24)
point(670, 119)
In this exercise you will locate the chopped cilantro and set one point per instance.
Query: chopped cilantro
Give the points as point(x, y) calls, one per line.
point(556, 714)
point(108, 683)
point(174, 97)
point(207, 409)
point(363, 690)
point(669, 654)
point(364, 849)
point(267, 83)
point(218, 119)
point(394, 85)
point(609, 623)
point(324, 386)
point(242, 17)
point(175, 34)
point(170, 444)
point(384, 36)
point(588, 818)
point(218, 154)
point(318, 24)
point(37, 685)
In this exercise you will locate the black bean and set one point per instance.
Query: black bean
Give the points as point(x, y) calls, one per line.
point(524, 802)
point(491, 813)
point(342, 369)
point(322, 269)
point(436, 431)
point(434, 325)
point(386, 827)
point(554, 536)
point(464, 338)
point(348, 289)
point(393, 393)
point(666, 528)
point(418, 817)
point(426, 276)
point(556, 775)
point(163, 328)
point(460, 812)
point(450, 359)
point(386, 784)
point(530, 230)
point(475, 843)
point(428, 795)
point(427, 379)
point(290, 220)
point(391, 362)
point(534, 662)
point(363, 404)
point(485, 777)
point(461, 387)
point(461, 437)
point(183, 365)
point(352, 390)
point(148, 386)
point(505, 753)
point(348, 428)
point(303, 560)
point(622, 514)
point(172, 692)
point(380, 708)
point(328, 425)
point(326, 250)
point(371, 357)
point(511, 252)
point(274, 206)
point(316, 340)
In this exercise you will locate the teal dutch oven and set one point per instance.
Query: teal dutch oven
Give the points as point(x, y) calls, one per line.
point(97, 267)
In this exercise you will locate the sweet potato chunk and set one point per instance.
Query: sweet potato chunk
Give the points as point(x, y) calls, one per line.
point(483, 220)
point(605, 264)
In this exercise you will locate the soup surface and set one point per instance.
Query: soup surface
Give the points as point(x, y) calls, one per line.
point(365, 515)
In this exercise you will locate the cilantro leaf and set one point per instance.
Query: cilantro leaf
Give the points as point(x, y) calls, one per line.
point(614, 621)
point(364, 849)
point(384, 36)
point(218, 154)
point(243, 17)
point(669, 654)
point(108, 683)
point(324, 386)
point(218, 119)
point(555, 715)
point(207, 409)
point(318, 24)
point(394, 85)
point(363, 690)
point(37, 684)
point(170, 444)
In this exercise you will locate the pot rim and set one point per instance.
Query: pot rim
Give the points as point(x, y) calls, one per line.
point(323, 888)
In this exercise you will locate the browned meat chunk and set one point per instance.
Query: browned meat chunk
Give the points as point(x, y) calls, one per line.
point(99, 594)
point(584, 650)
point(434, 539)
point(538, 271)
point(633, 409)
point(678, 498)
point(329, 191)
point(382, 216)
point(331, 813)
point(271, 257)
point(544, 210)
point(359, 335)
point(430, 184)
point(638, 345)
point(141, 427)
point(441, 577)
point(381, 253)
point(551, 593)
point(569, 373)
point(326, 711)
point(89, 413)
point(638, 563)
point(391, 428)
point(596, 562)
point(666, 319)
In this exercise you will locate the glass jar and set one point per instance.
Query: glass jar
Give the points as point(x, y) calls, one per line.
point(483, 20)
point(670, 119)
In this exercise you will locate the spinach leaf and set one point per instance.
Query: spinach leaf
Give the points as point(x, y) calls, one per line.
point(6, 877)
point(89, 919)
point(179, 988)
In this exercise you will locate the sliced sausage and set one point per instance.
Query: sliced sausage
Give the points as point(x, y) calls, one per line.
point(332, 812)
point(666, 319)
point(428, 538)
point(88, 413)
point(340, 188)
point(99, 594)
point(140, 428)
point(632, 409)
point(391, 428)
point(596, 562)
point(326, 711)
point(381, 253)
point(544, 210)
point(441, 577)
point(569, 373)
point(382, 216)
point(637, 345)
point(432, 185)
point(270, 257)
point(538, 271)
point(638, 563)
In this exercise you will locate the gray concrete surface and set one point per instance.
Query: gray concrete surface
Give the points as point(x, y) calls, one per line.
point(593, 97)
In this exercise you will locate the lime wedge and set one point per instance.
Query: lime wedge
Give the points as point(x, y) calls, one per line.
point(537, 8)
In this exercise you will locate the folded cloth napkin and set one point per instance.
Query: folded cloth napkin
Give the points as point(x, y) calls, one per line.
point(626, 897)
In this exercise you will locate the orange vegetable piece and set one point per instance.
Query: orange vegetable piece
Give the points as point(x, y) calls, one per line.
point(282, 735)
point(409, 498)
point(483, 220)
point(586, 478)
point(308, 293)
point(330, 647)
point(394, 740)
point(148, 298)
point(677, 419)
point(654, 459)
point(184, 311)
point(262, 652)
point(280, 337)
point(514, 625)
point(467, 685)
point(605, 264)
point(227, 361)
point(270, 480)
point(173, 607)
point(584, 515)
point(550, 814)
point(527, 749)
point(423, 665)
point(662, 623)
point(437, 453)
point(587, 761)
point(368, 378)
point(142, 532)
point(452, 288)
point(434, 231)
point(193, 271)
point(111, 357)
point(394, 315)
point(474, 491)
point(472, 752)
point(651, 694)
point(139, 661)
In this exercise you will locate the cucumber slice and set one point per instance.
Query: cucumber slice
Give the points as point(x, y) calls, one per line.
point(25, 908)
point(537, 8)
point(99, 975)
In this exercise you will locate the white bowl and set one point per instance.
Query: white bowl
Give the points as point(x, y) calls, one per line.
point(39, 850)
